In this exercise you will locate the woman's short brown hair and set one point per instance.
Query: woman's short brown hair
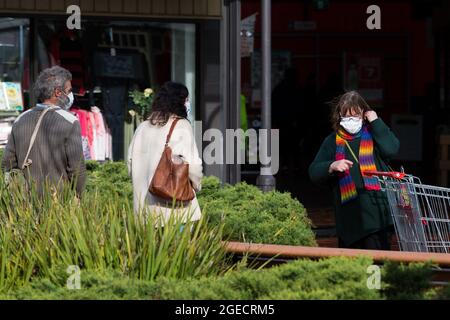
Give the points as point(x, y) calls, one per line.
point(349, 101)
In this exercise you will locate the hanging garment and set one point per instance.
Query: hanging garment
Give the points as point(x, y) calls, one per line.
point(92, 136)
point(83, 119)
point(100, 135)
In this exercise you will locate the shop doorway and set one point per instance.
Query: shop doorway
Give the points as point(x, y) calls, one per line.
point(109, 59)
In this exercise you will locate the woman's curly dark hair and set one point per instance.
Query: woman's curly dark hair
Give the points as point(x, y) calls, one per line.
point(169, 100)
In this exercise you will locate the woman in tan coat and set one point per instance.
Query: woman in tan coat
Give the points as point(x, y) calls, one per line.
point(147, 146)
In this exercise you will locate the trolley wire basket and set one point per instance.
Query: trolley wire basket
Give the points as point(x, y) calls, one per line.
point(420, 212)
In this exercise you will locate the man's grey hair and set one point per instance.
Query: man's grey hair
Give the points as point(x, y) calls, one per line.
point(49, 80)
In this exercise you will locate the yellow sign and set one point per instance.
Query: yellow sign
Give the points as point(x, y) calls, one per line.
point(11, 96)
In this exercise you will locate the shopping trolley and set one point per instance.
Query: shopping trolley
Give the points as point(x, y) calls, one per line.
point(420, 212)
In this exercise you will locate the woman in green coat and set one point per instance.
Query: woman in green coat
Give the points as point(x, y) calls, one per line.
point(361, 142)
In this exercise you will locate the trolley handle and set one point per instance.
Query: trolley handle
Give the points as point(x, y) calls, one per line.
point(392, 174)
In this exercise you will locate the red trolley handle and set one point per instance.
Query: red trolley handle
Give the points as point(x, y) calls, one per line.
point(392, 174)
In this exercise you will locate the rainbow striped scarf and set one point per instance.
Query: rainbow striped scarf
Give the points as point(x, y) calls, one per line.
point(366, 162)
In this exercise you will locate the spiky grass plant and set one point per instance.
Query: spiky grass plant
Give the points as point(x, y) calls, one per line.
point(47, 231)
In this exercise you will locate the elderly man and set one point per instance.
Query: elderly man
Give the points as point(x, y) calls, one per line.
point(56, 155)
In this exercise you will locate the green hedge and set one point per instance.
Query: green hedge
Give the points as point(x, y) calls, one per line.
point(250, 215)
point(334, 278)
point(109, 178)
point(337, 278)
point(255, 216)
point(409, 281)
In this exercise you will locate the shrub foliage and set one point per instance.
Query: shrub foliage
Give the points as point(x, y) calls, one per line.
point(249, 214)
point(254, 216)
point(334, 278)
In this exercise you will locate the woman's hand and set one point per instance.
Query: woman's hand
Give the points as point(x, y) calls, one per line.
point(370, 116)
point(340, 166)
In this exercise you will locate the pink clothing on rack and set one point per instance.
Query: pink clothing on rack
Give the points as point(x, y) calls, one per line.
point(82, 116)
point(92, 135)
point(100, 134)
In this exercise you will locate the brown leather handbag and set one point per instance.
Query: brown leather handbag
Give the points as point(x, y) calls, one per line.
point(171, 178)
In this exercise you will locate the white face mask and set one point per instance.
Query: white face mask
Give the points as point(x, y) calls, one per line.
point(67, 104)
point(71, 99)
point(351, 124)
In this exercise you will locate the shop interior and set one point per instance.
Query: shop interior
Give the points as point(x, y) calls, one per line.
point(321, 49)
point(107, 60)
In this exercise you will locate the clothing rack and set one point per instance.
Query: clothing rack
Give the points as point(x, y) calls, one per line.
point(88, 99)
point(95, 134)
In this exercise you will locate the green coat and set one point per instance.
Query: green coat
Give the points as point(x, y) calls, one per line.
point(370, 211)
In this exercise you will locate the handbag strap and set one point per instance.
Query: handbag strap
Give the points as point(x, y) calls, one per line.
point(171, 130)
point(351, 151)
point(26, 161)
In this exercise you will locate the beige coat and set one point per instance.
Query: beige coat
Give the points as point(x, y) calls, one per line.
point(143, 157)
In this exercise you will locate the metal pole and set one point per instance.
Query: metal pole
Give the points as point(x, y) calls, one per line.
point(235, 85)
point(231, 77)
point(265, 181)
point(224, 76)
point(33, 52)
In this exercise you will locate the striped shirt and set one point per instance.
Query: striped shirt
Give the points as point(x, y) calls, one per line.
point(57, 153)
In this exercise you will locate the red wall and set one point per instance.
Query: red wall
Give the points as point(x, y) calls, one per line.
point(345, 24)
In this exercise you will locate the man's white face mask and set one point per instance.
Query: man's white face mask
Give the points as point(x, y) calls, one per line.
point(351, 124)
point(66, 103)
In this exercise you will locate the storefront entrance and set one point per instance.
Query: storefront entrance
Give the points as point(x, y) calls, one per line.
point(107, 59)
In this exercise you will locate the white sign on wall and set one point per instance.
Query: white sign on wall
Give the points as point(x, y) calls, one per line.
point(11, 96)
